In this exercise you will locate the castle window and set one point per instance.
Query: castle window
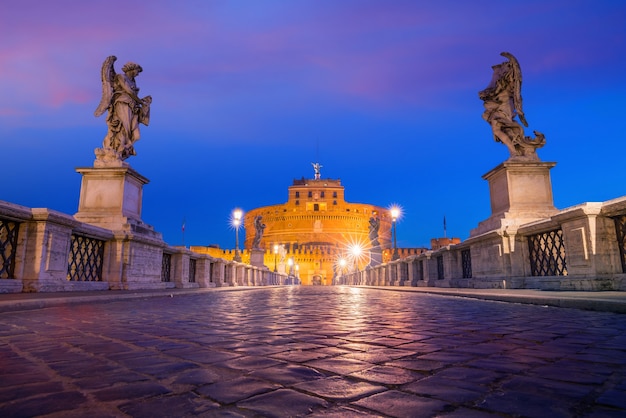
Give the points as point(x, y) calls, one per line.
point(316, 207)
point(310, 193)
point(297, 194)
point(297, 202)
point(335, 202)
point(322, 194)
point(334, 194)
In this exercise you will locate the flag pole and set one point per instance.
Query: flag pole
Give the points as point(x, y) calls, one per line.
point(183, 231)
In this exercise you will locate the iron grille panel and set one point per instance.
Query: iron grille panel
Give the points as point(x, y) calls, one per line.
point(440, 275)
point(8, 245)
point(620, 229)
point(213, 270)
point(85, 260)
point(192, 270)
point(547, 254)
point(166, 267)
point(404, 271)
point(421, 269)
point(416, 273)
point(466, 262)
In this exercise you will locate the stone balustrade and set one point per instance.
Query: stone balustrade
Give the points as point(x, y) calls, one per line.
point(42, 250)
point(578, 248)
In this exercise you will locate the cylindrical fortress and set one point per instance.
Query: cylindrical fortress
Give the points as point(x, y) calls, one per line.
point(315, 229)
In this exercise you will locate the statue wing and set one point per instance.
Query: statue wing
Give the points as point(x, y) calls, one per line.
point(108, 75)
point(517, 86)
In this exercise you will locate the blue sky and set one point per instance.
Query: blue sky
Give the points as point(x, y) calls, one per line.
point(246, 94)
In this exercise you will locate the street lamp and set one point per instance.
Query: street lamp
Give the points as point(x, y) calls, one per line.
point(237, 214)
point(356, 250)
point(395, 213)
point(342, 266)
point(290, 271)
point(275, 254)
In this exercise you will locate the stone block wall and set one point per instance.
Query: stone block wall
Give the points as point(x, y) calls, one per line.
point(56, 252)
point(578, 248)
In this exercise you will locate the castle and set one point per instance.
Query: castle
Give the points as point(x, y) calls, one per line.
point(316, 235)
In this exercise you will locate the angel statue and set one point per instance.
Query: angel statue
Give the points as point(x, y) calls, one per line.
point(259, 227)
point(503, 102)
point(317, 168)
point(373, 231)
point(125, 111)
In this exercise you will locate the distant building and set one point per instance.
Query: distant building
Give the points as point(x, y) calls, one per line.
point(316, 228)
point(438, 243)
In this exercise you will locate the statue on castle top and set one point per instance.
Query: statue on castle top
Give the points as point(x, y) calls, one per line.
point(126, 110)
point(316, 168)
point(503, 103)
point(259, 226)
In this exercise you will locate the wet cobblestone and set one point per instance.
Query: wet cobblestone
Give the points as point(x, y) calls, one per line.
point(322, 352)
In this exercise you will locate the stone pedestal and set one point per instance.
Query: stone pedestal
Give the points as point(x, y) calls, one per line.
point(521, 192)
point(376, 257)
point(111, 198)
point(257, 258)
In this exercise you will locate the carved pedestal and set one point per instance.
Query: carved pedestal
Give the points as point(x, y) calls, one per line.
point(111, 198)
point(376, 257)
point(256, 257)
point(521, 192)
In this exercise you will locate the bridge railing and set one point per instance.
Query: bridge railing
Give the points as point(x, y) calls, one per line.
point(578, 248)
point(44, 250)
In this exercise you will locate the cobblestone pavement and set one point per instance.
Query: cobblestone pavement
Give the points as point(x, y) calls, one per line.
point(316, 351)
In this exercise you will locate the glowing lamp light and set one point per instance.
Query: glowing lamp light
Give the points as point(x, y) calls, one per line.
point(395, 212)
point(356, 250)
point(237, 215)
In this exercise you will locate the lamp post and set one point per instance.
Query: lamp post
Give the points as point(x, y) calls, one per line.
point(275, 254)
point(290, 271)
point(237, 214)
point(356, 250)
point(342, 266)
point(395, 213)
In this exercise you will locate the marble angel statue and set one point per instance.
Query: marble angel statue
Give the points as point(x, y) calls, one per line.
point(126, 110)
point(503, 103)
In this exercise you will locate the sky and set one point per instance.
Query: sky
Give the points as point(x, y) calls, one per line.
point(247, 94)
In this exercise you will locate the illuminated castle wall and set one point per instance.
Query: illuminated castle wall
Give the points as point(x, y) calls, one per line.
point(317, 227)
